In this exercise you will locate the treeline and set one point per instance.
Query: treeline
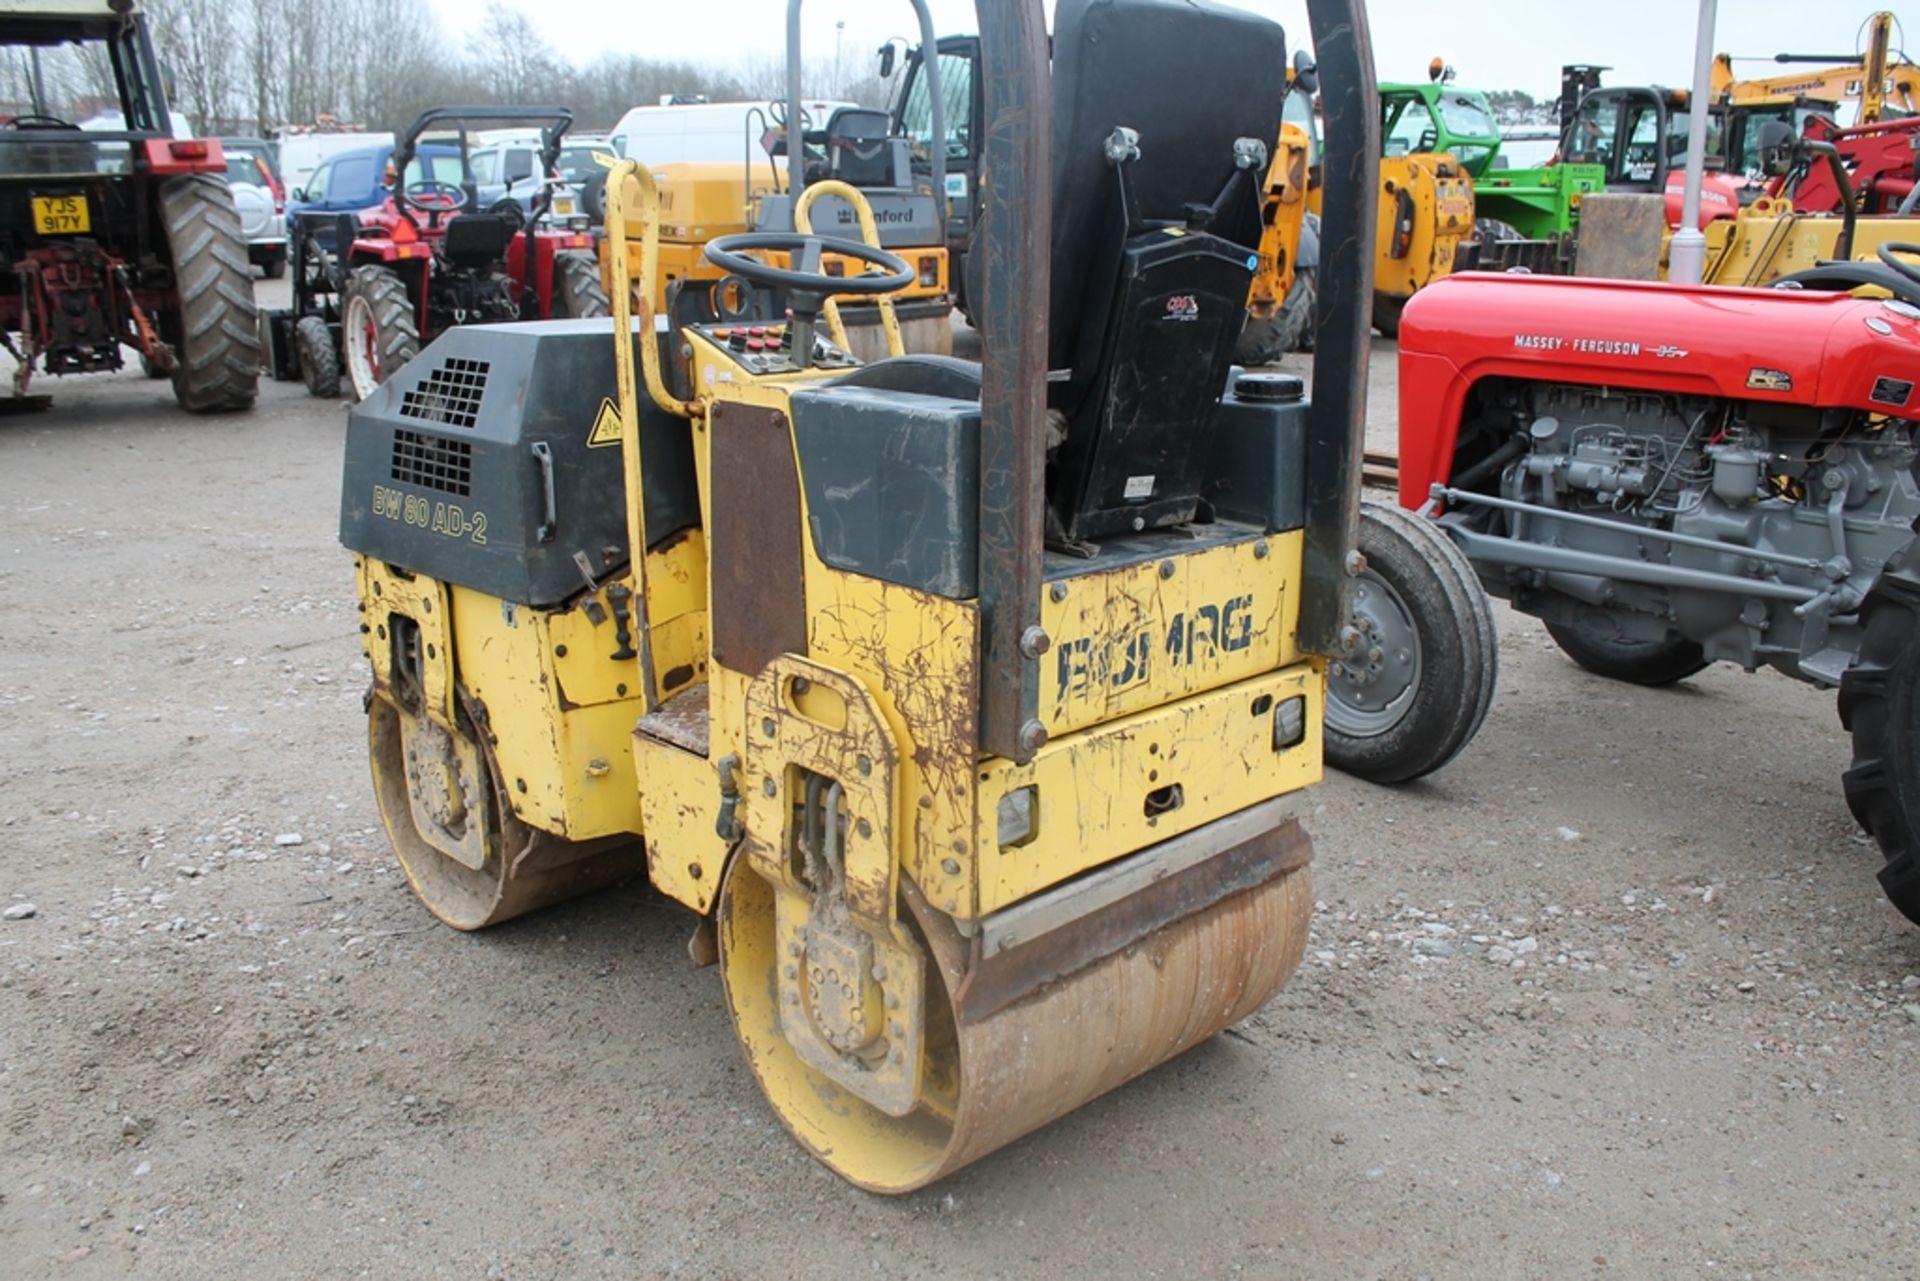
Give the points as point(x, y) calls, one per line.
point(246, 66)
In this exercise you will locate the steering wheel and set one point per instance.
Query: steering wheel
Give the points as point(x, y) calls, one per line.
point(1890, 255)
point(31, 120)
point(729, 254)
point(429, 196)
point(777, 109)
point(808, 287)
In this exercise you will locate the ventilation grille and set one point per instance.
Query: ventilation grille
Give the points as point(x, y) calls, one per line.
point(450, 395)
point(433, 462)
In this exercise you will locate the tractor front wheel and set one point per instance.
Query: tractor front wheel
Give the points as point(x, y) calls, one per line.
point(1880, 705)
point(1386, 314)
point(577, 292)
point(378, 332)
point(319, 357)
point(1416, 683)
point(1594, 643)
point(218, 345)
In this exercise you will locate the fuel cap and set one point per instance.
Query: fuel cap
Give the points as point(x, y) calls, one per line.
point(1269, 389)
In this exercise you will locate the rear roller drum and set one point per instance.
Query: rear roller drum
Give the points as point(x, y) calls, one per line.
point(1414, 686)
point(986, 1082)
point(467, 857)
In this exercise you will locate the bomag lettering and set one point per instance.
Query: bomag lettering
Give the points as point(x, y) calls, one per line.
point(1087, 665)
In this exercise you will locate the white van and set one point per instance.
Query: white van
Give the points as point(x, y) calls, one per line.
point(706, 131)
point(303, 148)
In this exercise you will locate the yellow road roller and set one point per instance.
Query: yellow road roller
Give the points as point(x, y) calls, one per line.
point(967, 707)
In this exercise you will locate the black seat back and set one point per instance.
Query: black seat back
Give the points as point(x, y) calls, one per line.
point(476, 240)
point(1151, 257)
point(858, 150)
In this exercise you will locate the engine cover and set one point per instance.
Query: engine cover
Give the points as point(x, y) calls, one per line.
point(493, 458)
point(1767, 346)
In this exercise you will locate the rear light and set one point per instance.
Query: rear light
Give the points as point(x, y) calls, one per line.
point(929, 271)
point(1290, 723)
point(192, 149)
point(1016, 817)
point(835, 268)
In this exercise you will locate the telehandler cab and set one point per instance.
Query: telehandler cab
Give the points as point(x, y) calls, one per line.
point(968, 706)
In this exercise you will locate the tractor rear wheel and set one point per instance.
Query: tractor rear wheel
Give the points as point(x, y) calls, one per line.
point(1491, 230)
point(319, 357)
point(378, 332)
point(577, 292)
point(1263, 342)
point(1593, 642)
point(218, 346)
point(1880, 705)
point(1416, 687)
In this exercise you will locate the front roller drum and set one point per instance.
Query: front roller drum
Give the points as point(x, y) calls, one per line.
point(989, 1080)
point(439, 791)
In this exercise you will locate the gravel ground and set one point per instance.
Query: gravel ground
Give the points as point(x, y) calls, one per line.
point(1615, 994)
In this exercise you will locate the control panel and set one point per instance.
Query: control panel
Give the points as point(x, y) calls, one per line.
point(768, 349)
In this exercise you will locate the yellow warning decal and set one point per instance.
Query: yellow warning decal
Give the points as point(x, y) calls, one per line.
point(606, 426)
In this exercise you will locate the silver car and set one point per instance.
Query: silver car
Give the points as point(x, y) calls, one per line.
point(263, 216)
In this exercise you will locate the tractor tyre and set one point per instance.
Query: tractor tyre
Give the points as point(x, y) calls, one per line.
point(1592, 643)
point(150, 369)
point(577, 291)
point(1386, 314)
point(218, 350)
point(378, 332)
point(319, 357)
point(1417, 687)
point(1880, 706)
point(1489, 230)
point(1264, 342)
point(593, 197)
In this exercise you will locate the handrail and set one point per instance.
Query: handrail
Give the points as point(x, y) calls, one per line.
point(870, 233)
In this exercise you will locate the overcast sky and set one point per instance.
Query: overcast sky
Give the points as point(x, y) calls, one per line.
point(1494, 44)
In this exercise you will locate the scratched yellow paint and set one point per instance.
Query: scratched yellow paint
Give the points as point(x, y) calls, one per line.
point(1138, 637)
point(918, 654)
point(1217, 748)
point(680, 803)
point(385, 591)
point(567, 769)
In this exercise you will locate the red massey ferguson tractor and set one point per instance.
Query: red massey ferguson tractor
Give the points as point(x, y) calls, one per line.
point(370, 289)
point(119, 236)
point(1670, 476)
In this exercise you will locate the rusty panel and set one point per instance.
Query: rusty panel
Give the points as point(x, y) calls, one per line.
point(1016, 215)
point(1337, 418)
point(759, 605)
point(993, 983)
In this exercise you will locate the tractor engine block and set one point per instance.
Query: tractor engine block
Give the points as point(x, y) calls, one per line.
point(1752, 529)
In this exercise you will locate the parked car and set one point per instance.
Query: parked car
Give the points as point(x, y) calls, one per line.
point(505, 171)
point(354, 180)
point(263, 215)
point(268, 157)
